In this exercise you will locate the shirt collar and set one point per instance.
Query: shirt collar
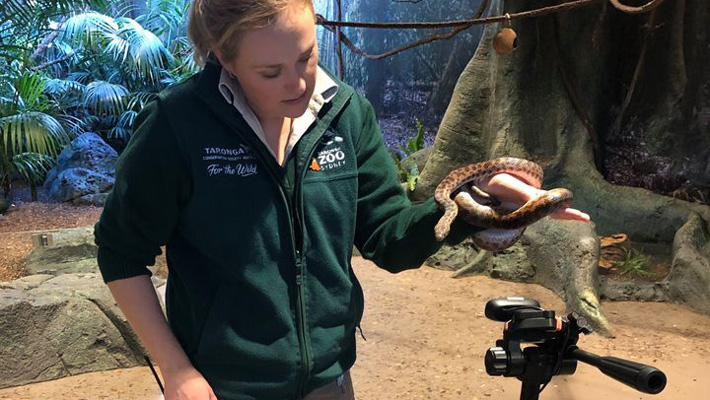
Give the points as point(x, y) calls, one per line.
point(325, 90)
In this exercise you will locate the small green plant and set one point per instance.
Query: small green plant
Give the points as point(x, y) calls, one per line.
point(633, 264)
point(417, 142)
point(409, 171)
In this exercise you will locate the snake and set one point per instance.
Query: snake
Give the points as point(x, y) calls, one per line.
point(504, 223)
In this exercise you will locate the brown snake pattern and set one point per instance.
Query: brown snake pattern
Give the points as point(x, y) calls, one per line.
point(504, 223)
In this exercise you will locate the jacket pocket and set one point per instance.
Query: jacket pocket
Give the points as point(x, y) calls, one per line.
point(212, 314)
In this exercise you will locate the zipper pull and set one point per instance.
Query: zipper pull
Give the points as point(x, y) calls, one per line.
point(299, 276)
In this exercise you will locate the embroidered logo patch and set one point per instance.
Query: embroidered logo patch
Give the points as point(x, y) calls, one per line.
point(314, 165)
point(234, 161)
point(331, 156)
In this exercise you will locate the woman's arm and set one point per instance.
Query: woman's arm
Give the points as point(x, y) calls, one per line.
point(138, 301)
point(390, 230)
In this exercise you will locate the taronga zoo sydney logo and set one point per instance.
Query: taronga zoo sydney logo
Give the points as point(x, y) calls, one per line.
point(332, 155)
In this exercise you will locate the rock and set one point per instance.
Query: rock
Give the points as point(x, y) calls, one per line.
point(565, 255)
point(27, 282)
point(85, 167)
point(51, 327)
point(93, 199)
point(634, 290)
point(74, 183)
point(561, 255)
point(67, 251)
point(62, 319)
point(87, 151)
point(689, 279)
point(510, 264)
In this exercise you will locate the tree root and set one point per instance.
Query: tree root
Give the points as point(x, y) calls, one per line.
point(480, 258)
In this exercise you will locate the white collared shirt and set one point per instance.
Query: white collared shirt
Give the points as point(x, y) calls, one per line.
point(324, 91)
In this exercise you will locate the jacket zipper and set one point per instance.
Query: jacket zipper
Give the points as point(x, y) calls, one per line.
point(293, 215)
point(298, 261)
point(298, 195)
point(300, 303)
point(301, 312)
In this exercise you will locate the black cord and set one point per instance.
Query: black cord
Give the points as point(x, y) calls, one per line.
point(155, 374)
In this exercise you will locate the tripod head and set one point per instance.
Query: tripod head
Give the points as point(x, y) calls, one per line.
point(554, 350)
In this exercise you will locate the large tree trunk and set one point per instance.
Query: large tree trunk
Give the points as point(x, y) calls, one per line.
point(563, 89)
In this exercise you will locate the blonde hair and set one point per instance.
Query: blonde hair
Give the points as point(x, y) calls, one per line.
point(220, 24)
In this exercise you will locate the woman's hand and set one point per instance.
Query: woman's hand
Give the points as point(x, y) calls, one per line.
point(507, 187)
point(187, 384)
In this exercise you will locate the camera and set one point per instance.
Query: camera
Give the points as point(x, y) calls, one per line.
point(553, 349)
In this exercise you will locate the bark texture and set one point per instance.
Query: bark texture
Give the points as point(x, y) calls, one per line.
point(573, 89)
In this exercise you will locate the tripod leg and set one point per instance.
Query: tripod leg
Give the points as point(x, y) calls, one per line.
point(530, 391)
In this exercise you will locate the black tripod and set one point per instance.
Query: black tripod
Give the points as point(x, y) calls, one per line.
point(555, 351)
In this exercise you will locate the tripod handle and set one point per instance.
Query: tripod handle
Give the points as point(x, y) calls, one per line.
point(643, 378)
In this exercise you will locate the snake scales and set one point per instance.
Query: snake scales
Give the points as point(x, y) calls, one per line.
point(504, 222)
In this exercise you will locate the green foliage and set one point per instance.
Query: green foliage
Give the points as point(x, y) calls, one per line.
point(71, 66)
point(417, 142)
point(408, 170)
point(634, 264)
point(32, 167)
point(29, 136)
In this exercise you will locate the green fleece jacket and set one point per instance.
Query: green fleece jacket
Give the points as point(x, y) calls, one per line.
point(261, 294)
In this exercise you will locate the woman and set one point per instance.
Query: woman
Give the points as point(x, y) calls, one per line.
point(259, 173)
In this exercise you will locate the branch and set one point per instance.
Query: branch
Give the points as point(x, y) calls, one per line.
point(636, 10)
point(409, 45)
point(48, 40)
point(462, 23)
point(57, 61)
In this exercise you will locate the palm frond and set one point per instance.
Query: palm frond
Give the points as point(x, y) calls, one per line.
point(87, 27)
point(29, 87)
point(140, 99)
point(148, 53)
point(32, 167)
point(91, 122)
point(16, 10)
point(124, 126)
point(31, 131)
point(127, 119)
point(105, 98)
point(60, 87)
point(75, 126)
point(164, 17)
point(81, 76)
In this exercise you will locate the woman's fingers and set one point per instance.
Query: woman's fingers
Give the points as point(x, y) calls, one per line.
point(571, 214)
point(509, 188)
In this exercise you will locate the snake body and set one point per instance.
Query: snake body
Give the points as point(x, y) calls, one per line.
point(505, 223)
